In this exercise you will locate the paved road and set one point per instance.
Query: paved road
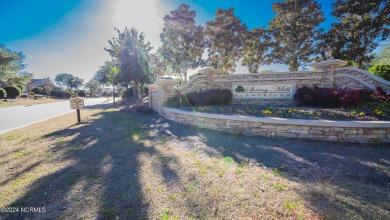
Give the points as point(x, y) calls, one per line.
point(20, 116)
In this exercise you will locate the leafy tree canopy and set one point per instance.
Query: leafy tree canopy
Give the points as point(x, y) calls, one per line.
point(93, 86)
point(294, 32)
point(182, 41)
point(131, 55)
point(101, 74)
point(69, 81)
point(11, 63)
point(255, 47)
point(224, 39)
point(360, 27)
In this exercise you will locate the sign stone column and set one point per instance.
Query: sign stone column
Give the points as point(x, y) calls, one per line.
point(329, 67)
point(152, 90)
point(166, 90)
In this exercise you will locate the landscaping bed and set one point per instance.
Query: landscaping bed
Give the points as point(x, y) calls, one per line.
point(310, 113)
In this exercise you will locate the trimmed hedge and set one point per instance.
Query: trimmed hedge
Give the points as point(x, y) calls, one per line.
point(37, 90)
point(21, 87)
point(329, 97)
point(382, 71)
point(146, 111)
point(60, 94)
point(174, 102)
point(210, 97)
point(3, 93)
point(12, 92)
point(127, 93)
point(81, 93)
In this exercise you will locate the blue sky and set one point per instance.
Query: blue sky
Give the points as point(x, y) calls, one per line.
point(70, 35)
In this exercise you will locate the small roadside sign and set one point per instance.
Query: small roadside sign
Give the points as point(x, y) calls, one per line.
point(76, 103)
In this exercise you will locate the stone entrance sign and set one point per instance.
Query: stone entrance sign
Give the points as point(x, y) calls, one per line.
point(271, 88)
point(263, 91)
point(76, 103)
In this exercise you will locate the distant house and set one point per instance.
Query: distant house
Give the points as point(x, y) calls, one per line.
point(37, 82)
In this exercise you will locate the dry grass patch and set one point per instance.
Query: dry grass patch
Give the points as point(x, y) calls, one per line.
point(117, 164)
point(27, 102)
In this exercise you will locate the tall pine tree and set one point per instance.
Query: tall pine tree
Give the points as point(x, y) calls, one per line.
point(224, 39)
point(295, 32)
point(182, 41)
point(361, 26)
point(255, 47)
point(131, 55)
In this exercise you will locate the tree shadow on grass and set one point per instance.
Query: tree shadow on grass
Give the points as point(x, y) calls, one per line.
point(358, 174)
point(98, 168)
point(96, 172)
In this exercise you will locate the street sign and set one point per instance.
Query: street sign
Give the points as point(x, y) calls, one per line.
point(76, 103)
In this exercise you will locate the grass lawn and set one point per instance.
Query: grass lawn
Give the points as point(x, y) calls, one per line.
point(27, 102)
point(118, 164)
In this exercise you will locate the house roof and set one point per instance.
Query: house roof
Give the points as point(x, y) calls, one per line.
point(37, 82)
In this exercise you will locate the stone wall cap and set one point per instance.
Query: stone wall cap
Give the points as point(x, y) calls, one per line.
point(329, 64)
point(368, 74)
point(287, 121)
point(152, 86)
point(166, 81)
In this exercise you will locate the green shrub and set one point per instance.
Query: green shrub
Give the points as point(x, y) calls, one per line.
point(81, 93)
point(211, 97)
point(12, 91)
point(37, 90)
point(21, 87)
point(60, 94)
point(382, 71)
point(332, 97)
point(146, 111)
point(127, 93)
point(56, 93)
point(32, 93)
point(3, 93)
point(174, 102)
point(368, 107)
point(23, 96)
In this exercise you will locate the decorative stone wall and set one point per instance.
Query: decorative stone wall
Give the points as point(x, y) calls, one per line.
point(344, 78)
point(154, 97)
point(160, 92)
point(357, 78)
point(341, 131)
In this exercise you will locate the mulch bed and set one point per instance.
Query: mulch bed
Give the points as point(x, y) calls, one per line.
point(311, 113)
